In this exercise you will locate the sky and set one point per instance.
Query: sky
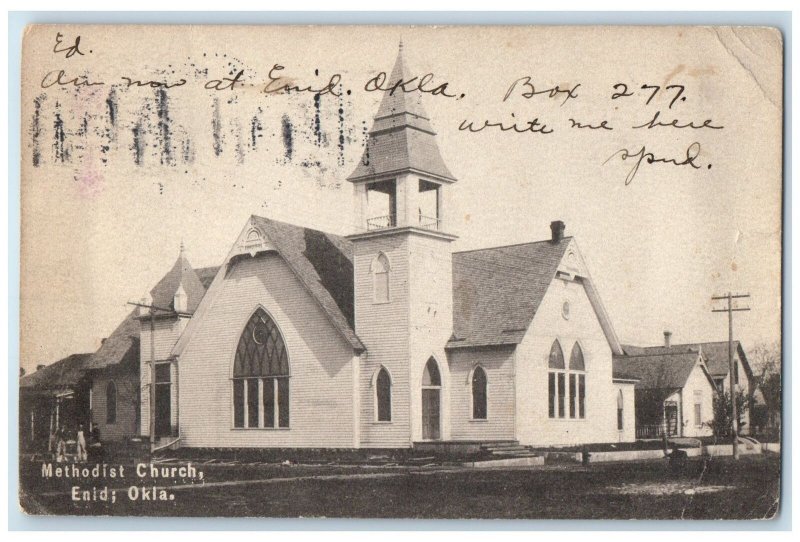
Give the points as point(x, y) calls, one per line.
point(116, 174)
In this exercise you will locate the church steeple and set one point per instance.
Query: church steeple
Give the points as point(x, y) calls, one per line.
point(401, 177)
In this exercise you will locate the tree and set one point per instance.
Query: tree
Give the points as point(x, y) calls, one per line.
point(766, 362)
point(721, 425)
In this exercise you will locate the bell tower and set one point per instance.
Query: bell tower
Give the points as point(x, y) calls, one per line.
point(402, 264)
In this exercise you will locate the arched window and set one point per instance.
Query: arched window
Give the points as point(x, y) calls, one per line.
point(556, 381)
point(431, 401)
point(383, 396)
point(620, 411)
point(111, 402)
point(479, 396)
point(577, 383)
point(576, 359)
point(556, 360)
point(431, 377)
point(380, 278)
point(261, 375)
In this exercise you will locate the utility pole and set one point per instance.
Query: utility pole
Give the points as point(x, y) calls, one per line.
point(734, 414)
point(153, 310)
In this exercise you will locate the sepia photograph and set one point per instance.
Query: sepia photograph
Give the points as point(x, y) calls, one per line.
point(401, 272)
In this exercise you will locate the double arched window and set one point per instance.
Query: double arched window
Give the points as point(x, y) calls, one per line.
point(380, 269)
point(566, 386)
point(111, 402)
point(479, 394)
point(383, 396)
point(261, 375)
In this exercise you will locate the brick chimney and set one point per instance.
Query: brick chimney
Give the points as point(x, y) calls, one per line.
point(667, 339)
point(557, 229)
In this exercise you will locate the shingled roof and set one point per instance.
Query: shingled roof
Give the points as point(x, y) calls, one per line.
point(63, 374)
point(323, 262)
point(182, 273)
point(497, 291)
point(714, 353)
point(120, 347)
point(657, 371)
point(402, 138)
point(206, 275)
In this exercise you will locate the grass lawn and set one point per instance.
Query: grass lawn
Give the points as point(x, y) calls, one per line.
point(718, 488)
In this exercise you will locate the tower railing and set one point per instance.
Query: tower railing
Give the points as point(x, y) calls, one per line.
point(381, 222)
point(430, 222)
point(390, 221)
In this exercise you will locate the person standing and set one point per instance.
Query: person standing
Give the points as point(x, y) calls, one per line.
point(81, 445)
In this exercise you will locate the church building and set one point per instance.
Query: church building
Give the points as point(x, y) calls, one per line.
point(386, 337)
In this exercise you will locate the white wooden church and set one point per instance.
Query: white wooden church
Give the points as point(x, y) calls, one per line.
point(384, 338)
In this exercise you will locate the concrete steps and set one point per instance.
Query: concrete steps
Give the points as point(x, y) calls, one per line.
point(510, 449)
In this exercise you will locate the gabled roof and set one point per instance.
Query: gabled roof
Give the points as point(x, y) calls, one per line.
point(163, 293)
point(401, 138)
point(121, 347)
point(206, 275)
point(323, 262)
point(714, 353)
point(63, 374)
point(497, 291)
point(659, 370)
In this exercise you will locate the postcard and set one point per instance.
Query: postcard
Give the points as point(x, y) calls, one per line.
point(523, 272)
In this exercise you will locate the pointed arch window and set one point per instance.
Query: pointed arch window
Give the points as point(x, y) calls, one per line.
point(577, 383)
point(620, 411)
point(383, 396)
point(111, 402)
point(479, 394)
point(380, 279)
point(261, 375)
point(556, 381)
point(431, 377)
point(556, 360)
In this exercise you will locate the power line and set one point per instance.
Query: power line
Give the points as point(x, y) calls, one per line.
point(730, 309)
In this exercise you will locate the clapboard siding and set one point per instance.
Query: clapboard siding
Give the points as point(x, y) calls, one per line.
point(167, 331)
point(534, 426)
point(499, 366)
point(321, 382)
point(127, 397)
point(697, 382)
point(384, 330)
point(628, 431)
point(431, 318)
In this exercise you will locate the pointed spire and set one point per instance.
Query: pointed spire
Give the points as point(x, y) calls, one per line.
point(398, 107)
point(183, 250)
point(401, 138)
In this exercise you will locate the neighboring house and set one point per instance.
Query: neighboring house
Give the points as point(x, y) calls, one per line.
point(114, 374)
point(674, 393)
point(715, 355)
point(104, 388)
point(384, 338)
point(56, 395)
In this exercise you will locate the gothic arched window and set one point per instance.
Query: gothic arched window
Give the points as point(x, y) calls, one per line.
point(556, 360)
point(431, 377)
point(380, 278)
point(261, 375)
point(556, 381)
point(383, 395)
point(577, 383)
point(479, 394)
